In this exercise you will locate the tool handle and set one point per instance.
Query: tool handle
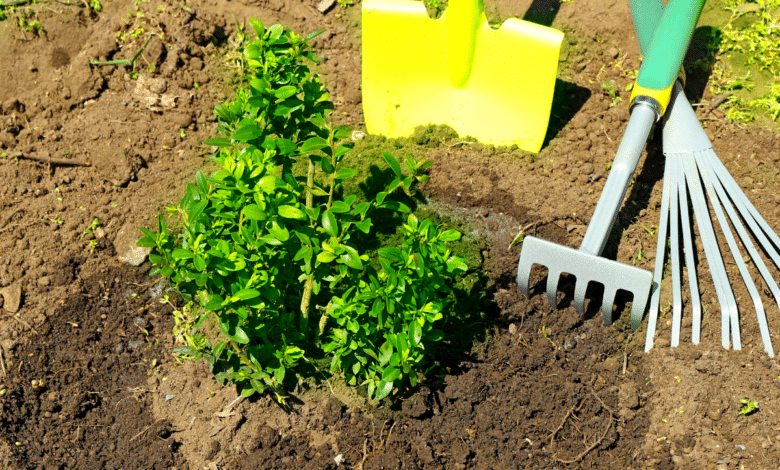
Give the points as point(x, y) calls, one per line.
point(623, 168)
point(669, 44)
point(646, 15)
point(665, 50)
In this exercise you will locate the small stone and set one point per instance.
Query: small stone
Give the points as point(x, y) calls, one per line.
point(140, 322)
point(628, 396)
point(512, 329)
point(125, 245)
point(44, 281)
point(12, 296)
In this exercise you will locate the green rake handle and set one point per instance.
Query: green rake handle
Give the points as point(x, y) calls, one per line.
point(666, 42)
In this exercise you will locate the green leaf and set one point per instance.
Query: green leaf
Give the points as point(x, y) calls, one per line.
point(291, 212)
point(385, 351)
point(253, 212)
point(285, 92)
point(315, 143)
point(313, 35)
point(279, 374)
point(247, 132)
point(383, 389)
point(286, 146)
point(449, 235)
point(456, 264)
point(247, 392)
point(394, 165)
point(330, 224)
point(390, 373)
point(231, 329)
point(339, 207)
point(288, 106)
point(325, 257)
point(182, 254)
point(199, 262)
point(345, 173)
point(259, 28)
point(214, 303)
point(218, 142)
point(351, 258)
point(416, 332)
point(246, 294)
point(391, 253)
point(364, 225)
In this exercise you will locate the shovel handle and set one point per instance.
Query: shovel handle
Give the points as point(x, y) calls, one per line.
point(666, 50)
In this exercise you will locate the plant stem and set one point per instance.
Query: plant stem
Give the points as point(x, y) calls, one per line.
point(323, 321)
point(307, 287)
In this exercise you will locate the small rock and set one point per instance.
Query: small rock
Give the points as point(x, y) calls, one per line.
point(512, 329)
point(44, 281)
point(135, 344)
point(12, 296)
point(628, 396)
point(125, 245)
point(140, 322)
point(586, 169)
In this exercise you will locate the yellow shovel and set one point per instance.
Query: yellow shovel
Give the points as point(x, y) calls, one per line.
point(494, 85)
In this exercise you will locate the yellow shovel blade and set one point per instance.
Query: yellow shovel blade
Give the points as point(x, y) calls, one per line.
point(407, 82)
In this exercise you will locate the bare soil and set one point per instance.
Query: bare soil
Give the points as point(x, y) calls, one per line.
point(85, 345)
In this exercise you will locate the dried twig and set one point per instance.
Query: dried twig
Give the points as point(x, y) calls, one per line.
point(359, 466)
point(717, 102)
point(48, 160)
point(2, 362)
point(145, 429)
point(582, 454)
point(590, 448)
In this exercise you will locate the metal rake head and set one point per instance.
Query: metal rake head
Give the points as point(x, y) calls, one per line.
point(586, 268)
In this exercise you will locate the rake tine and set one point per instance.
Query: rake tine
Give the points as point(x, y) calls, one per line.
point(579, 296)
point(606, 305)
point(689, 261)
point(674, 238)
point(660, 252)
point(552, 286)
point(751, 249)
point(758, 225)
point(728, 305)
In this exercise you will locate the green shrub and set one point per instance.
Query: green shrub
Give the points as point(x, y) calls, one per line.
point(263, 246)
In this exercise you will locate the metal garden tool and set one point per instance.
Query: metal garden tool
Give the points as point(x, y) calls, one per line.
point(649, 100)
point(494, 85)
point(692, 168)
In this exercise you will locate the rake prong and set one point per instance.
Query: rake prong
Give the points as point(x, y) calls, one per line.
point(689, 261)
point(674, 248)
point(720, 194)
point(579, 295)
point(728, 305)
point(761, 226)
point(552, 286)
point(607, 303)
point(660, 252)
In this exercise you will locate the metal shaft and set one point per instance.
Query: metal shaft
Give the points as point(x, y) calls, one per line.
point(623, 168)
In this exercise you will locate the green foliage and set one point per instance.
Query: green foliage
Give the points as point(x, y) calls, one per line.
point(748, 407)
point(385, 323)
point(263, 245)
point(611, 90)
point(750, 37)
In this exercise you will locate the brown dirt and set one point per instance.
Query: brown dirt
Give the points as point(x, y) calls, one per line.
point(95, 332)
